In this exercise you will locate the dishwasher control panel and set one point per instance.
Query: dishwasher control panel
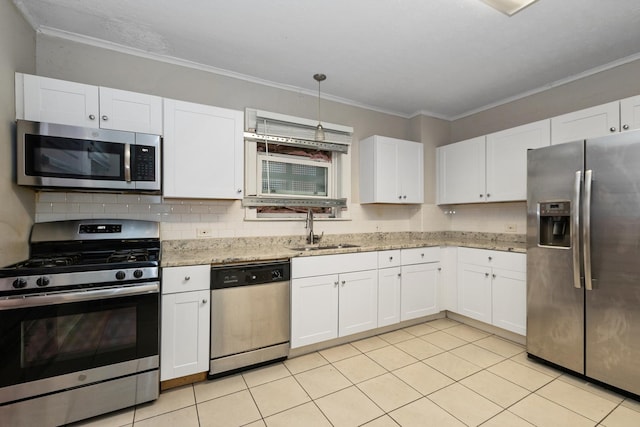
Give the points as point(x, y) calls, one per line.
point(229, 276)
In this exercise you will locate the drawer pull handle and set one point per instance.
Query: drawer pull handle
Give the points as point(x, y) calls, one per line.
point(204, 301)
point(335, 283)
point(390, 258)
point(486, 274)
point(92, 117)
point(343, 282)
point(493, 275)
point(490, 258)
point(187, 278)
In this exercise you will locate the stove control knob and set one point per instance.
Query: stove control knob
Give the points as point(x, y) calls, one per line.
point(42, 281)
point(120, 275)
point(19, 283)
point(137, 274)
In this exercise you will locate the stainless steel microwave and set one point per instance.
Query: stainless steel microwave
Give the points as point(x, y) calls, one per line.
point(52, 155)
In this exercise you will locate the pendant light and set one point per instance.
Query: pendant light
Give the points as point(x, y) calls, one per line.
point(319, 136)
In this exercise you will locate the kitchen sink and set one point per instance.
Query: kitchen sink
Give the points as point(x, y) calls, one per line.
point(325, 247)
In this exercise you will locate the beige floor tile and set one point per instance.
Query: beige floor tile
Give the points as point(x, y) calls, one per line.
point(544, 413)
point(593, 388)
point(265, 374)
point(389, 392)
point(120, 418)
point(423, 378)
point(420, 349)
point(507, 419)
point(421, 329)
point(186, 417)
point(538, 366)
point(464, 404)
point(631, 404)
point(277, 396)
point(443, 323)
point(231, 410)
point(396, 336)
point(304, 363)
point(359, 368)
point(622, 417)
point(577, 399)
point(477, 355)
point(369, 344)
point(467, 333)
point(383, 421)
point(500, 346)
point(520, 374)
point(340, 352)
point(307, 415)
point(321, 381)
point(170, 400)
point(391, 358)
point(443, 340)
point(259, 423)
point(207, 390)
point(417, 413)
point(452, 365)
point(348, 407)
point(495, 388)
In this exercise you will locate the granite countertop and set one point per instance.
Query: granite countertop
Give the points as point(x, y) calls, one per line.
point(249, 249)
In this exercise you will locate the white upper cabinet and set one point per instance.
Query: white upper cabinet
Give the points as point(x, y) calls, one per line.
point(507, 159)
point(630, 113)
point(461, 172)
point(391, 170)
point(203, 151)
point(591, 122)
point(43, 99)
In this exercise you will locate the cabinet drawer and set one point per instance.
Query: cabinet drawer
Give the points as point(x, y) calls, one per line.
point(389, 258)
point(420, 255)
point(489, 258)
point(333, 264)
point(184, 279)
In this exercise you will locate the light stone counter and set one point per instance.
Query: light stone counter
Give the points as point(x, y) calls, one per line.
point(250, 249)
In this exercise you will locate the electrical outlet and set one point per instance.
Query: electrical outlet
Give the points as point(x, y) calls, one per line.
point(510, 228)
point(203, 232)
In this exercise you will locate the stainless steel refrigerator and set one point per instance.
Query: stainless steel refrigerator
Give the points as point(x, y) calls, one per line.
point(583, 258)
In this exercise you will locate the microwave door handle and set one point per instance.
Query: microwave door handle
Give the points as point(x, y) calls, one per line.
point(575, 226)
point(127, 162)
point(586, 230)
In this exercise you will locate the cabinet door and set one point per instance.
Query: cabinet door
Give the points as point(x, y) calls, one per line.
point(388, 296)
point(474, 291)
point(449, 279)
point(358, 302)
point(203, 151)
point(591, 122)
point(314, 309)
point(461, 172)
point(185, 334)
point(507, 159)
point(509, 297)
point(410, 172)
point(58, 101)
point(130, 111)
point(419, 290)
point(378, 173)
point(630, 113)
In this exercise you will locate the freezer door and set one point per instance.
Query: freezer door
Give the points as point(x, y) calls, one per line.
point(613, 306)
point(555, 307)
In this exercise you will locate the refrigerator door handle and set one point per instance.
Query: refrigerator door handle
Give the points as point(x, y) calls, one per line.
point(586, 229)
point(575, 226)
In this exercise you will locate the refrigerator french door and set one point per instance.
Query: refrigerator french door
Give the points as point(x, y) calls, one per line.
point(583, 256)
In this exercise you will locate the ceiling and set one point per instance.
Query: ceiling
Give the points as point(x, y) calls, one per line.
point(444, 58)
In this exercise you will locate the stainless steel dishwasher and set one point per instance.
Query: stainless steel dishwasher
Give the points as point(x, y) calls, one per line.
point(250, 315)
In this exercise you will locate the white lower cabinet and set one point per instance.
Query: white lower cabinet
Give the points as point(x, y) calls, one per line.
point(420, 272)
point(389, 296)
point(342, 302)
point(184, 348)
point(492, 287)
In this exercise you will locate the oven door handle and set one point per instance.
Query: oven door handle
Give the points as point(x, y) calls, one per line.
point(22, 301)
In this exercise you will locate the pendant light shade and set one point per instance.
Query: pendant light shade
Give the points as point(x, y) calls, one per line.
point(319, 135)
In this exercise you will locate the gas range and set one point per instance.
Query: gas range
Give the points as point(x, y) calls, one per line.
point(83, 254)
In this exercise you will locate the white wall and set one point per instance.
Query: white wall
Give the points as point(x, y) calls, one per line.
point(17, 52)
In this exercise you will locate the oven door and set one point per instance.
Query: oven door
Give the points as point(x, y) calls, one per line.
point(70, 339)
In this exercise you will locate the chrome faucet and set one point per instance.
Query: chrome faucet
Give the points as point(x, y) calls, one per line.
point(309, 227)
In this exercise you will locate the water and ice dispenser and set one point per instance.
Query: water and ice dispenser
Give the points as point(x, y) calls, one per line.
point(555, 224)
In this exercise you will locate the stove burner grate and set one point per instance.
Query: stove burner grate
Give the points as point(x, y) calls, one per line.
point(129, 256)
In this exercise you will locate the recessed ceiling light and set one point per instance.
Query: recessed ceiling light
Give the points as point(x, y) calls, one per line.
point(509, 7)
